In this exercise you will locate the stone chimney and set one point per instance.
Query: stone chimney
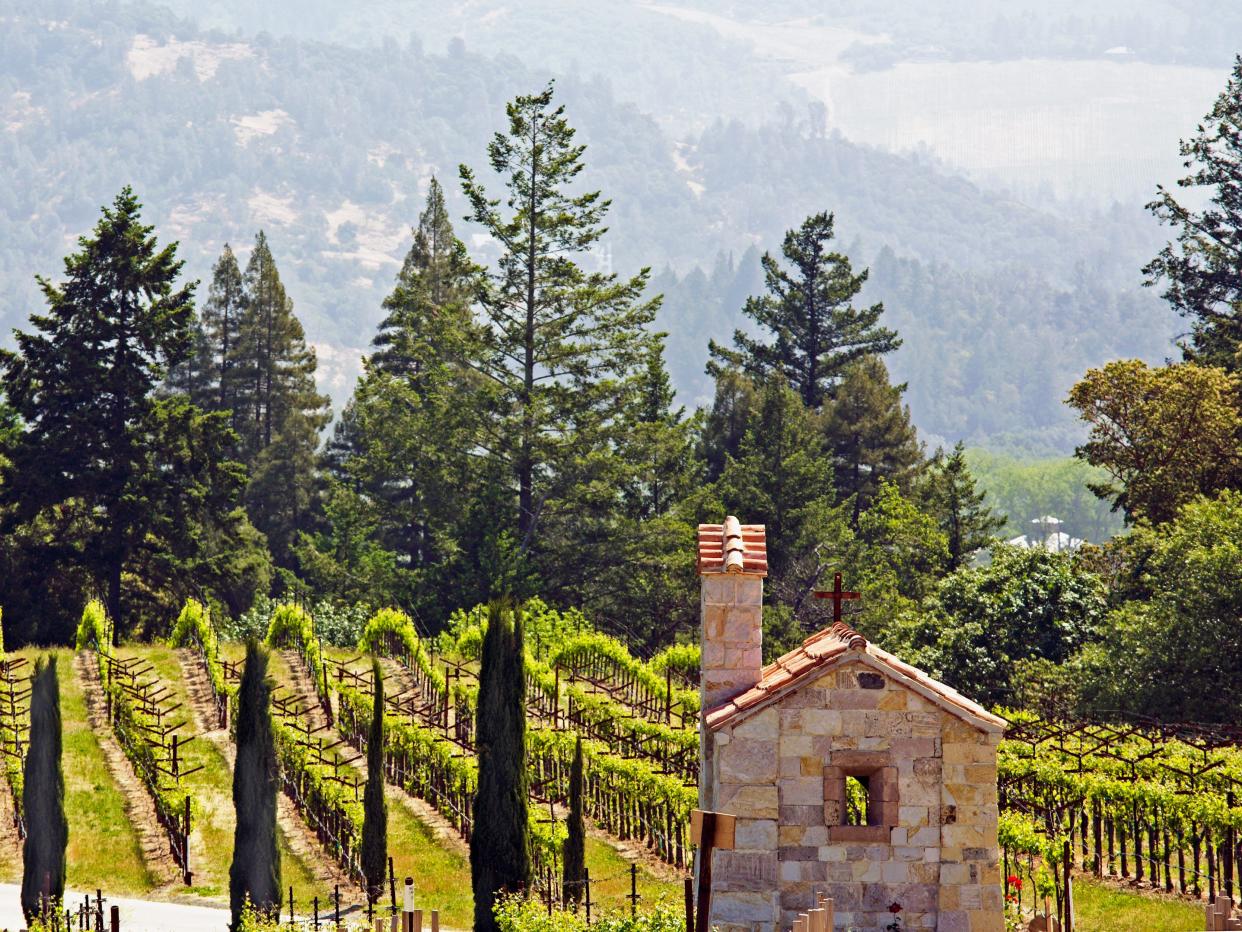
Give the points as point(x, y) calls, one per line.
point(733, 559)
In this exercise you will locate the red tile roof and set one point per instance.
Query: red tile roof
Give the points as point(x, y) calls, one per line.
point(733, 547)
point(841, 643)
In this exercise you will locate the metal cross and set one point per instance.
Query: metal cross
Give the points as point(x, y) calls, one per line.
point(838, 595)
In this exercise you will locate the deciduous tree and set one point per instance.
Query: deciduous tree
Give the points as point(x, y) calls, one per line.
point(1164, 435)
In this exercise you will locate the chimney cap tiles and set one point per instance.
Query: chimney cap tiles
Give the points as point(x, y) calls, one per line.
point(733, 547)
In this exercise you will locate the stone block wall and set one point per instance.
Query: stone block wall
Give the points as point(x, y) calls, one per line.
point(933, 848)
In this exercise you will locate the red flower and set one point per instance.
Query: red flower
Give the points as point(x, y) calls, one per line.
point(895, 908)
point(1015, 881)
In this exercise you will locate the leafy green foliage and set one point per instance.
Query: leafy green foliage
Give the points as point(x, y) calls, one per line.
point(518, 914)
point(43, 796)
point(95, 628)
point(1163, 435)
point(1173, 643)
point(984, 622)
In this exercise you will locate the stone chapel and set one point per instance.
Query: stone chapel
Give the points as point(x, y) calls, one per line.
point(850, 773)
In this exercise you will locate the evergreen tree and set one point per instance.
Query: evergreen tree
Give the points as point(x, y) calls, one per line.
point(193, 376)
point(960, 509)
point(222, 319)
point(869, 436)
point(499, 844)
point(808, 311)
point(83, 382)
point(560, 338)
point(1202, 271)
point(573, 882)
point(281, 411)
point(375, 810)
point(43, 796)
point(434, 289)
point(254, 875)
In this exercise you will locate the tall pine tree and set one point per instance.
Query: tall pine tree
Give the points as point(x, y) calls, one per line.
point(809, 313)
point(43, 796)
point(374, 809)
point(281, 411)
point(83, 382)
point(500, 843)
point(254, 875)
point(560, 337)
point(1202, 271)
point(221, 321)
point(869, 435)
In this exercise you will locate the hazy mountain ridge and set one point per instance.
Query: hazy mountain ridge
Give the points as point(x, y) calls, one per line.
point(329, 148)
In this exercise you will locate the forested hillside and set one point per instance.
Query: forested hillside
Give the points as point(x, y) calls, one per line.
point(329, 148)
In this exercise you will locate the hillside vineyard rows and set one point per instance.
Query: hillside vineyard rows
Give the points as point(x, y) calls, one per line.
point(1155, 805)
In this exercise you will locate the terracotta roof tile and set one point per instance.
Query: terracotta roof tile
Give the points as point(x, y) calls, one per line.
point(733, 547)
point(826, 647)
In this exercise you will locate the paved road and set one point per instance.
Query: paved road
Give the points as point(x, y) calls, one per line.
point(136, 915)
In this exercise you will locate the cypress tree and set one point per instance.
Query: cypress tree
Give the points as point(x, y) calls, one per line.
point(43, 794)
point(574, 856)
point(375, 811)
point(254, 875)
point(500, 845)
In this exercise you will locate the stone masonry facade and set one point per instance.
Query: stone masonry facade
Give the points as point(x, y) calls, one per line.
point(778, 743)
point(780, 772)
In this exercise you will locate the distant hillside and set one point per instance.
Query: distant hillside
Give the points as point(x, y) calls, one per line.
point(329, 148)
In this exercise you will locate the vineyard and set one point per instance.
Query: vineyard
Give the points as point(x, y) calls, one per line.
point(1154, 806)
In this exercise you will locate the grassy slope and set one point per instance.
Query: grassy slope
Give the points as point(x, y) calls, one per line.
point(1101, 908)
point(104, 851)
point(211, 846)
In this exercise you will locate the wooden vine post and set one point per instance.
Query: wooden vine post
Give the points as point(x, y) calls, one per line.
point(709, 831)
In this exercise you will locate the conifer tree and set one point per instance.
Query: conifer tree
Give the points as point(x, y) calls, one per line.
point(43, 796)
point(574, 856)
point(254, 875)
point(281, 411)
point(869, 436)
point(808, 310)
point(432, 298)
point(500, 844)
point(83, 382)
point(960, 509)
point(194, 376)
point(375, 810)
point(221, 321)
point(1202, 271)
point(560, 337)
